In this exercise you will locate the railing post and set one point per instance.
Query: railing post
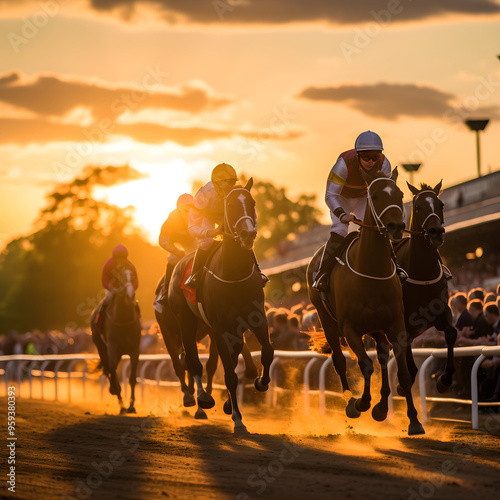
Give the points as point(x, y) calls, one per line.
point(423, 388)
point(307, 384)
point(322, 384)
point(474, 391)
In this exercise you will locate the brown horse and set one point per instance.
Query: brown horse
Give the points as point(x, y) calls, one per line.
point(366, 298)
point(425, 292)
point(171, 332)
point(122, 335)
point(232, 302)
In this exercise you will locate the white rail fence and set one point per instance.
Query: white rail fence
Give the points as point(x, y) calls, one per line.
point(17, 368)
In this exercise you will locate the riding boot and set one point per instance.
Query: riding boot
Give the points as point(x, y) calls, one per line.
point(200, 257)
point(322, 281)
point(263, 277)
point(402, 274)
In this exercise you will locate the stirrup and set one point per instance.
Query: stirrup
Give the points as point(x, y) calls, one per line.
point(192, 281)
point(402, 274)
point(264, 278)
point(320, 284)
point(447, 272)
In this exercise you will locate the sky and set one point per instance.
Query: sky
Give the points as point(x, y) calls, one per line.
point(277, 88)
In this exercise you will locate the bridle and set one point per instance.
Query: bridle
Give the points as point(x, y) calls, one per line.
point(230, 229)
point(379, 225)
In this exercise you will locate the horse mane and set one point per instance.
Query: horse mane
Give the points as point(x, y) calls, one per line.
point(425, 187)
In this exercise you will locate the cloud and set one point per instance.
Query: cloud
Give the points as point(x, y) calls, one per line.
point(227, 12)
point(392, 101)
point(288, 11)
point(39, 130)
point(51, 95)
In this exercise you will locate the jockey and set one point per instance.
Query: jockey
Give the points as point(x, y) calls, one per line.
point(113, 278)
point(207, 212)
point(175, 238)
point(346, 196)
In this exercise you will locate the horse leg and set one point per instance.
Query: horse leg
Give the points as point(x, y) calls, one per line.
point(114, 384)
point(211, 365)
point(410, 363)
point(228, 356)
point(379, 412)
point(188, 330)
point(251, 371)
point(366, 366)
point(267, 353)
point(134, 361)
point(228, 408)
point(102, 350)
point(400, 346)
point(450, 334)
point(173, 349)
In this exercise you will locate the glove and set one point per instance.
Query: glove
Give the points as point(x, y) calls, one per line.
point(212, 233)
point(346, 218)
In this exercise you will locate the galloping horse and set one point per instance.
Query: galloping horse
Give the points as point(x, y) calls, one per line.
point(122, 335)
point(425, 292)
point(366, 297)
point(232, 301)
point(170, 330)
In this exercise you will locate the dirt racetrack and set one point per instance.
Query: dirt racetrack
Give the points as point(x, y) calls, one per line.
point(77, 451)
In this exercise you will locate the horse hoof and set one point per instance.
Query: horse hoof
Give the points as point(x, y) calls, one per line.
point(415, 429)
point(350, 409)
point(228, 407)
point(379, 412)
point(400, 391)
point(260, 386)
point(189, 400)
point(131, 409)
point(441, 384)
point(123, 411)
point(361, 405)
point(200, 414)
point(206, 401)
point(240, 429)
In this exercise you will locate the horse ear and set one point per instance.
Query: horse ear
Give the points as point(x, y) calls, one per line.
point(394, 174)
point(249, 184)
point(413, 189)
point(437, 187)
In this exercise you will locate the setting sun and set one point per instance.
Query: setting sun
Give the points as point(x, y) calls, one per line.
point(153, 197)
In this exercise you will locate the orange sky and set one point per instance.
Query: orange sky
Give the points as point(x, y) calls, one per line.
point(277, 88)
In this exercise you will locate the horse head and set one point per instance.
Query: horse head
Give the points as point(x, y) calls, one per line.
point(427, 213)
point(240, 221)
point(385, 200)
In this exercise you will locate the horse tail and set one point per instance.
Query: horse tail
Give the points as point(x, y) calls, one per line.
point(318, 343)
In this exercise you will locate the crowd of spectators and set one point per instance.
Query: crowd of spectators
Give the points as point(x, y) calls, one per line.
point(475, 316)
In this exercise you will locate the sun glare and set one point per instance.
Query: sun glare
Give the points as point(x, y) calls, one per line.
point(153, 197)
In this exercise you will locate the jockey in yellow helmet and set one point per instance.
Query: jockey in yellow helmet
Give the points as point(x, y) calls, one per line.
point(207, 213)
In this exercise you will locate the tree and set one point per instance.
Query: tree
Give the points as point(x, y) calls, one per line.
point(51, 278)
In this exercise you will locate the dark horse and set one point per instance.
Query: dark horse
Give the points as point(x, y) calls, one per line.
point(366, 298)
point(425, 293)
point(122, 335)
point(232, 302)
point(171, 332)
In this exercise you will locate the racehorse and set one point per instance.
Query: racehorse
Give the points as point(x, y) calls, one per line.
point(170, 330)
point(425, 292)
point(366, 297)
point(232, 302)
point(122, 335)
